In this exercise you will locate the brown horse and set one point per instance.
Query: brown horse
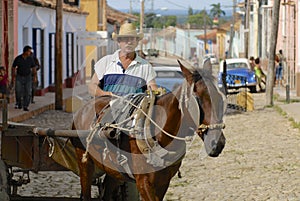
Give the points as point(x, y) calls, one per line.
point(171, 124)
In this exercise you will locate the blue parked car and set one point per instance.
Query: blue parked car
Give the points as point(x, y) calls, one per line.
point(239, 74)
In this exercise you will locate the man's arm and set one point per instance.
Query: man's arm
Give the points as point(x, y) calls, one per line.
point(34, 74)
point(152, 84)
point(94, 89)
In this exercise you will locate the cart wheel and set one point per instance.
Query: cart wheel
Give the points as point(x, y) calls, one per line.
point(4, 187)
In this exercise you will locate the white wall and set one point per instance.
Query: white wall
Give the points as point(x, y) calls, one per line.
point(30, 17)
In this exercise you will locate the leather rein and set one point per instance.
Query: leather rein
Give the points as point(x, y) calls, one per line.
point(202, 128)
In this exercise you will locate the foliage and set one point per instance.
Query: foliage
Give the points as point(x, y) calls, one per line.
point(154, 21)
point(200, 19)
point(197, 19)
point(216, 10)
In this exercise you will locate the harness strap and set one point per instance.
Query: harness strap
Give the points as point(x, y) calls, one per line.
point(203, 127)
point(123, 161)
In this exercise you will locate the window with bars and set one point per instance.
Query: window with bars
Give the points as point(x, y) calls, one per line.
point(38, 47)
point(51, 78)
point(69, 54)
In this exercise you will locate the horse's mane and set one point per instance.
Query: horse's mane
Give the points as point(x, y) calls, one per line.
point(203, 73)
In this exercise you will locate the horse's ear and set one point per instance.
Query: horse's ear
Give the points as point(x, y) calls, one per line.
point(186, 73)
point(207, 65)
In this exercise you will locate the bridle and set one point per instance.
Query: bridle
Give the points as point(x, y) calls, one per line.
point(203, 128)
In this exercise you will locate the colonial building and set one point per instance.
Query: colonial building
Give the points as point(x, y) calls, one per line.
point(33, 22)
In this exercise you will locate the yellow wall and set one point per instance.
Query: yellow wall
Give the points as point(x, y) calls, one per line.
point(91, 25)
point(221, 43)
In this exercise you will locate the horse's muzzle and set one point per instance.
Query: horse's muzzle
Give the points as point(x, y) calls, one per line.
point(214, 143)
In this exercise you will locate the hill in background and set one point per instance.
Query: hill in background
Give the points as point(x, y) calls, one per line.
point(182, 15)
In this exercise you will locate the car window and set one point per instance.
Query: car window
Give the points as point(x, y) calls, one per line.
point(237, 65)
point(169, 74)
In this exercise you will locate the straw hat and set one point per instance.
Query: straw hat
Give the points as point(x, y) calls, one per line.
point(127, 30)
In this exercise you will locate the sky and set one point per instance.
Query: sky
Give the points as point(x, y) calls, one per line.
point(170, 4)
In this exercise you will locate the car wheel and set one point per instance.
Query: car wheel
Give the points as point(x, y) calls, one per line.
point(253, 89)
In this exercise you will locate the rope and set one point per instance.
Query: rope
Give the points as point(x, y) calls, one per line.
point(89, 140)
point(202, 127)
point(187, 138)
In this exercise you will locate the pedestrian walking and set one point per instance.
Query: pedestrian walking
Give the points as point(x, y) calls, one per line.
point(3, 82)
point(195, 61)
point(124, 71)
point(22, 70)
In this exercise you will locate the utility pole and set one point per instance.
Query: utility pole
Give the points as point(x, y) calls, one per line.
point(272, 52)
point(130, 7)
point(205, 33)
point(232, 30)
point(102, 15)
point(247, 28)
point(58, 56)
point(141, 24)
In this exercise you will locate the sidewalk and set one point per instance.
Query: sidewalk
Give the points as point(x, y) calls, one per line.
point(42, 104)
point(292, 109)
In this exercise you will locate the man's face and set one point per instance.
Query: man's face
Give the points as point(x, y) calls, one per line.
point(128, 44)
point(29, 52)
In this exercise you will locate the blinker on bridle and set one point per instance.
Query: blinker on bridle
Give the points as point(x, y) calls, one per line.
point(203, 128)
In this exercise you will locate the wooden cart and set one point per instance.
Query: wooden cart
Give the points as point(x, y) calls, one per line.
point(24, 148)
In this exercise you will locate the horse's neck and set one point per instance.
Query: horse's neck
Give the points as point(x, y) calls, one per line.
point(170, 119)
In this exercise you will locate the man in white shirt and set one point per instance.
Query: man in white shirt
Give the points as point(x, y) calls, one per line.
point(124, 71)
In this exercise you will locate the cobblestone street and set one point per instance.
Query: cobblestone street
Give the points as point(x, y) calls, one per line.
point(261, 161)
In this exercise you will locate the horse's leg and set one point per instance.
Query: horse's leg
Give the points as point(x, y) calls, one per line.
point(86, 171)
point(110, 185)
point(146, 187)
point(161, 190)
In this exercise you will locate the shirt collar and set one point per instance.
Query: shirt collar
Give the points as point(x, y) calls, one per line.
point(116, 58)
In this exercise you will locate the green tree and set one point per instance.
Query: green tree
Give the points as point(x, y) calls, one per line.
point(200, 19)
point(216, 10)
point(190, 12)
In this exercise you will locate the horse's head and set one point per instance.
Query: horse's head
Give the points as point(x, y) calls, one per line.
point(211, 105)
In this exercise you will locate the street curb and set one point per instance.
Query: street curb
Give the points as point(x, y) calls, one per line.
point(291, 110)
point(27, 115)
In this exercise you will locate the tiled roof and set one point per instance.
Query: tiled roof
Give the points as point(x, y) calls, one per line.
point(169, 32)
point(210, 35)
point(52, 5)
point(113, 15)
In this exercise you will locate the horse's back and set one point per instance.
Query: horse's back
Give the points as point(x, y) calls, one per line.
point(86, 115)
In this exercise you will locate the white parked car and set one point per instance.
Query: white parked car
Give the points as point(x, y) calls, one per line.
point(212, 57)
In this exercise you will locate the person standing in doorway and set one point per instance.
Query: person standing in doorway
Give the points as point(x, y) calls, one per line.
point(259, 74)
point(279, 68)
point(3, 82)
point(22, 70)
point(252, 63)
point(35, 81)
